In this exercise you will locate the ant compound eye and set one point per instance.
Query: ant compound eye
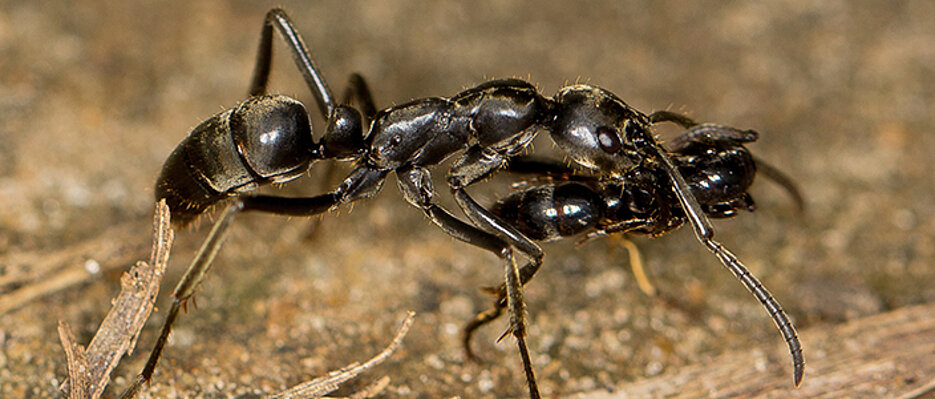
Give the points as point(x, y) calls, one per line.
point(607, 138)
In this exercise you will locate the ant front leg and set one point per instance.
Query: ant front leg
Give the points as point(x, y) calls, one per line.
point(476, 163)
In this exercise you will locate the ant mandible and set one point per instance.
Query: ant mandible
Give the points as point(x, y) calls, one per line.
point(267, 139)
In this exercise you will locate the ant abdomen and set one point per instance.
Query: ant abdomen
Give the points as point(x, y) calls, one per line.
point(265, 139)
point(551, 212)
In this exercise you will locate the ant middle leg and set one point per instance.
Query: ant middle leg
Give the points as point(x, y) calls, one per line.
point(416, 185)
point(476, 163)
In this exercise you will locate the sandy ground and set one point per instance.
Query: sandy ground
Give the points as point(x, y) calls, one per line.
point(95, 94)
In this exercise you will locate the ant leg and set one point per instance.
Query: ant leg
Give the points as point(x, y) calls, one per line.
point(362, 183)
point(184, 290)
point(714, 132)
point(781, 179)
point(416, 185)
point(705, 233)
point(277, 18)
point(636, 264)
point(358, 89)
point(702, 131)
point(476, 163)
point(515, 278)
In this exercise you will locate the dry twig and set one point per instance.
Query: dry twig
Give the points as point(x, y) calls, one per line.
point(322, 386)
point(121, 327)
point(32, 275)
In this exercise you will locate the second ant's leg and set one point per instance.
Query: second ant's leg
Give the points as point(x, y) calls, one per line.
point(277, 18)
point(636, 264)
point(774, 174)
point(701, 131)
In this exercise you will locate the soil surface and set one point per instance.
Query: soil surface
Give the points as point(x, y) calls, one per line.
point(95, 94)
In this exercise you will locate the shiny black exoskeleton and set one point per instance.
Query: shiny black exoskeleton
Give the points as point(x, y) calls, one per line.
point(711, 158)
point(267, 139)
point(718, 173)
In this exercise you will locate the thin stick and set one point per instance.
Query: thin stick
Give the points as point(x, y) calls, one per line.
point(322, 386)
point(41, 273)
point(78, 370)
point(121, 327)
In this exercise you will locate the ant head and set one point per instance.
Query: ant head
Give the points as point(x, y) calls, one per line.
point(598, 130)
point(719, 171)
point(274, 135)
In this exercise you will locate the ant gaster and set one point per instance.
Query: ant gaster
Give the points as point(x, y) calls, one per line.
point(267, 139)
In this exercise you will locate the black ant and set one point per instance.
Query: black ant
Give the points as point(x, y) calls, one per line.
point(267, 139)
point(711, 158)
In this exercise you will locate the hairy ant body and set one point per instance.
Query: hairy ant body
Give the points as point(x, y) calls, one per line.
point(267, 139)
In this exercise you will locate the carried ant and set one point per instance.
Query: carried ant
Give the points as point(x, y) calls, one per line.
point(711, 158)
point(268, 139)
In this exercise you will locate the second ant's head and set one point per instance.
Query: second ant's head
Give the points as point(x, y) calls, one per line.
point(597, 130)
point(719, 172)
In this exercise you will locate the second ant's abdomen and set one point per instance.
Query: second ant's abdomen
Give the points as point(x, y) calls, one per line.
point(551, 212)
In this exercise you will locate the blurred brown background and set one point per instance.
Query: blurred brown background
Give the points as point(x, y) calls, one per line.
point(95, 94)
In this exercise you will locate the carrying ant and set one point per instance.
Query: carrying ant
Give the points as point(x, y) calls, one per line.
point(268, 139)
